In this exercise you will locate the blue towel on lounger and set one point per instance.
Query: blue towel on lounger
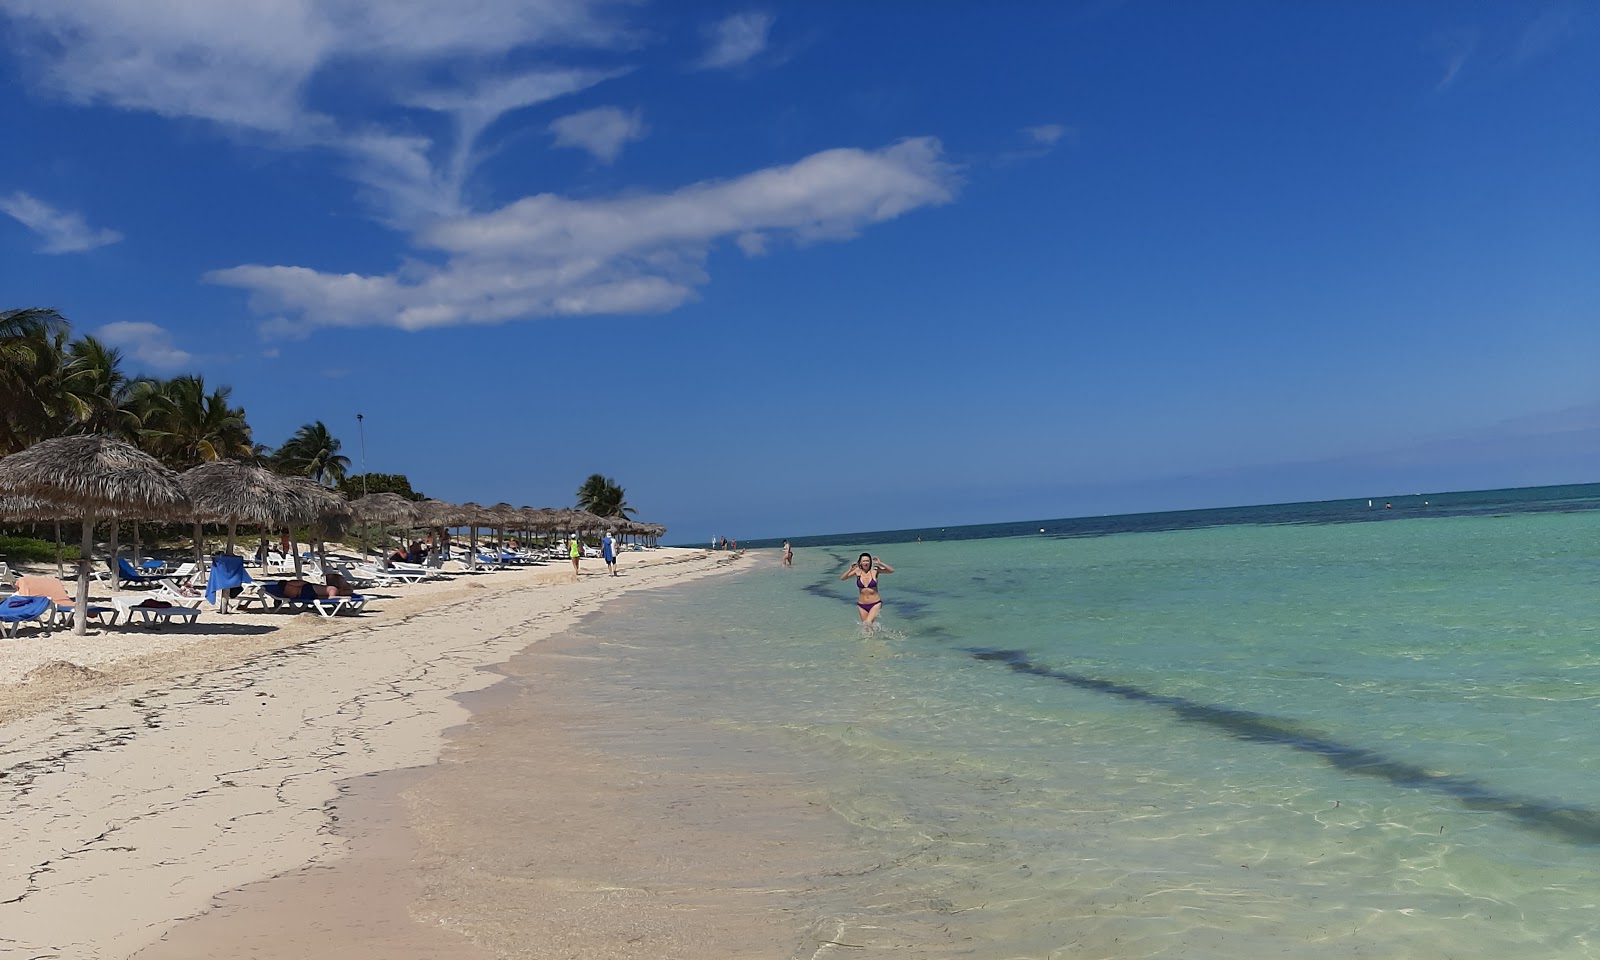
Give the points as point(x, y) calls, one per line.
point(227, 572)
point(18, 608)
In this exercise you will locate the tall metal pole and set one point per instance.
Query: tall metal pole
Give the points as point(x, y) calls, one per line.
point(362, 430)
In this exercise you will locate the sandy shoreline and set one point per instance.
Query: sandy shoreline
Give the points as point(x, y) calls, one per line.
point(188, 772)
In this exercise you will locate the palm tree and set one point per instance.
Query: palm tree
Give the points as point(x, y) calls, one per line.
point(601, 496)
point(312, 452)
point(31, 373)
point(99, 395)
point(184, 426)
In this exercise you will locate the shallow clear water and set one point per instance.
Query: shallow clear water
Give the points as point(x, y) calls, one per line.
point(1344, 739)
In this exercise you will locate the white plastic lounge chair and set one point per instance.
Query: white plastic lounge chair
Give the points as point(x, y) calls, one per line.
point(325, 606)
point(145, 610)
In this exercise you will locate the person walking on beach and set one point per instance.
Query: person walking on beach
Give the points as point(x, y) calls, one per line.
point(867, 569)
point(608, 550)
point(788, 555)
point(574, 550)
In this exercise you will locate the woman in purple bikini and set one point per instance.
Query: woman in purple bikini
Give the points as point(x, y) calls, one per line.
point(867, 569)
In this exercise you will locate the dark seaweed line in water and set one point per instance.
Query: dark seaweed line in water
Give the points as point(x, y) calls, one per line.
point(1573, 824)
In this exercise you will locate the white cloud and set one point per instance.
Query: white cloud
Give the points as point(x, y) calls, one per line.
point(736, 39)
point(601, 131)
point(248, 66)
point(548, 255)
point(62, 231)
point(146, 343)
point(1045, 133)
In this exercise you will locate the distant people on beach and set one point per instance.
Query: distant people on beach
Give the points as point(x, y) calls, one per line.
point(608, 550)
point(788, 555)
point(866, 570)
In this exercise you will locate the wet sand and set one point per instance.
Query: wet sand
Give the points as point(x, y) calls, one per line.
point(556, 824)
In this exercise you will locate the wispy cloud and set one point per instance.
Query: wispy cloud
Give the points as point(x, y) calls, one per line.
point(249, 66)
point(1045, 133)
point(61, 230)
point(601, 131)
point(736, 39)
point(147, 343)
point(1040, 140)
point(1553, 26)
point(548, 255)
point(1455, 48)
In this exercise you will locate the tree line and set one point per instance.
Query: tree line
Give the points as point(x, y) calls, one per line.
point(54, 384)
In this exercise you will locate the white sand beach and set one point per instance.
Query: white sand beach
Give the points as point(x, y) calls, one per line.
point(170, 767)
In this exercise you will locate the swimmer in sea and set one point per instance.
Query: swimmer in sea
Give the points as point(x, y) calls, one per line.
point(867, 569)
point(788, 555)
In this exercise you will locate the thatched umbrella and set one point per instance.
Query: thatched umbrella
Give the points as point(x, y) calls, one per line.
point(436, 515)
point(92, 475)
point(324, 509)
point(502, 515)
point(472, 516)
point(231, 492)
point(384, 509)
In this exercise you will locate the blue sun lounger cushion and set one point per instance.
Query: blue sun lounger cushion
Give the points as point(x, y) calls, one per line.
point(129, 575)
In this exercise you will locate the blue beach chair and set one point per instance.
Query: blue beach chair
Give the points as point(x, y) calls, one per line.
point(17, 609)
point(131, 576)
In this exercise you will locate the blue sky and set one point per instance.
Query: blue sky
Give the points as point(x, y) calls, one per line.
point(803, 268)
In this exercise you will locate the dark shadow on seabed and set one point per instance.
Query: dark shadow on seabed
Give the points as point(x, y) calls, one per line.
point(1578, 825)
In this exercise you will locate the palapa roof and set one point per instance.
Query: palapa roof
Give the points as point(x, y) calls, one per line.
point(385, 508)
point(228, 491)
point(31, 508)
point(93, 475)
point(436, 513)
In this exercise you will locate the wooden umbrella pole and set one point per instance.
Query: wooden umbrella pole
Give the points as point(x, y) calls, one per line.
point(80, 616)
point(61, 563)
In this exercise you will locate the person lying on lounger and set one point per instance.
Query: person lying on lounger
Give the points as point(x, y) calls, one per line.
point(336, 586)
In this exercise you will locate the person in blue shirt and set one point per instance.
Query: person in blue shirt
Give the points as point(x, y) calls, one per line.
point(608, 550)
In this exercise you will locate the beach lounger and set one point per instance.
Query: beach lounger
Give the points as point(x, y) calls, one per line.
point(408, 573)
point(272, 594)
point(18, 609)
point(65, 606)
point(155, 611)
point(132, 577)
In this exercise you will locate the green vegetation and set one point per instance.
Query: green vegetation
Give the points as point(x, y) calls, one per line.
point(29, 550)
point(378, 483)
point(52, 385)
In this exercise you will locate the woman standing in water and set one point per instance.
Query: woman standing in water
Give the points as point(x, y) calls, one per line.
point(866, 570)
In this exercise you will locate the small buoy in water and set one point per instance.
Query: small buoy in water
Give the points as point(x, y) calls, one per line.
point(1041, 529)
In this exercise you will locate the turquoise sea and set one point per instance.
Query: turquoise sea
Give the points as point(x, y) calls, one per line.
point(1320, 730)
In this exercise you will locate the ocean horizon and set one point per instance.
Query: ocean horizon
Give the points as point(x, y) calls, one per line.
point(1551, 497)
